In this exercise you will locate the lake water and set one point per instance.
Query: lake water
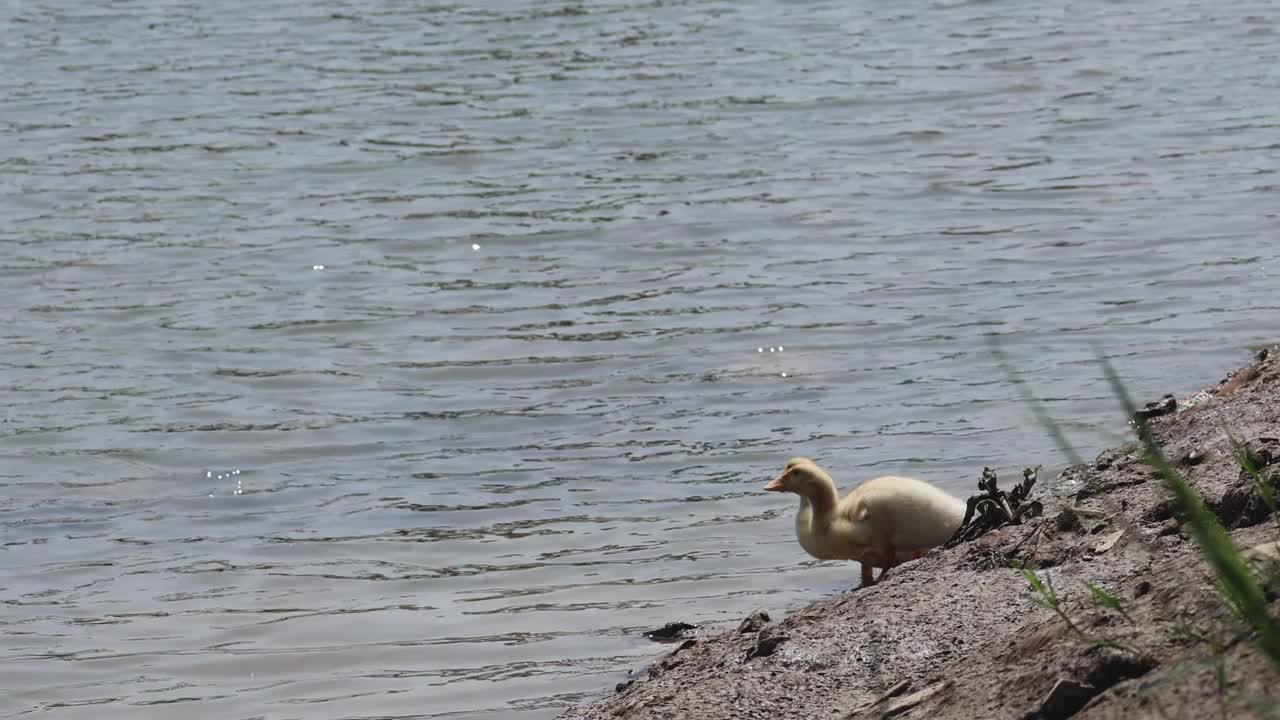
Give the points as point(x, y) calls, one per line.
point(403, 360)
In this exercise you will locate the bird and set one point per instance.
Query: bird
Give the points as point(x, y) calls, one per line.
point(884, 521)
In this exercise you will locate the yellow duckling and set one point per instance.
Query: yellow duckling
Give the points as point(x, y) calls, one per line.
point(884, 521)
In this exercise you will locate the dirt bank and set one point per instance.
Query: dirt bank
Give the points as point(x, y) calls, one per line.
point(958, 634)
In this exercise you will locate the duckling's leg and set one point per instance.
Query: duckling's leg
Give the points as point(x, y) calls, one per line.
point(866, 575)
point(890, 559)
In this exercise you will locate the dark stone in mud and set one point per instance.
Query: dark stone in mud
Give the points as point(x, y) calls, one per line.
point(1242, 504)
point(670, 632)
point(1261, 452)
point(1064, 700)
point(766, 643)
point(1108, 666)
point(1104, 667)
point(1067, 520)
point(1161, 511)
point(753, 622)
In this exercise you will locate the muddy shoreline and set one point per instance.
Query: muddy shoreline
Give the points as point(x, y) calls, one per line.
point(959, 634)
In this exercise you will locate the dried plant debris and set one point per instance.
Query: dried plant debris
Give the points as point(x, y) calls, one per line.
point(994, 508)
point(1163, 406)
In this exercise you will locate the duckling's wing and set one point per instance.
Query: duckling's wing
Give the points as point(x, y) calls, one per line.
point(922, 515)
point(893, 512)
point(853, 507)
point(858, 515)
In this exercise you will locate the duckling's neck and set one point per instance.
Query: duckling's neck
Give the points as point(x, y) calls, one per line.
point(821, 499)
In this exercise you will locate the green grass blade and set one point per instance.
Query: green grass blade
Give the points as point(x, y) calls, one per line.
point(1107, 600)
point(1047, 597)
point(1037, 408)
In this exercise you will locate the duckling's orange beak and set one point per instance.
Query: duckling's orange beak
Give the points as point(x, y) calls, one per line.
point(775, 485)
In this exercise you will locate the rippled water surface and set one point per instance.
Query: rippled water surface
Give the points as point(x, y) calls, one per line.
point(395, 359)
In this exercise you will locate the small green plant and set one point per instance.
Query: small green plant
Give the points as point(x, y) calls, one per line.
point(1047, 597)
point(1102, 598)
